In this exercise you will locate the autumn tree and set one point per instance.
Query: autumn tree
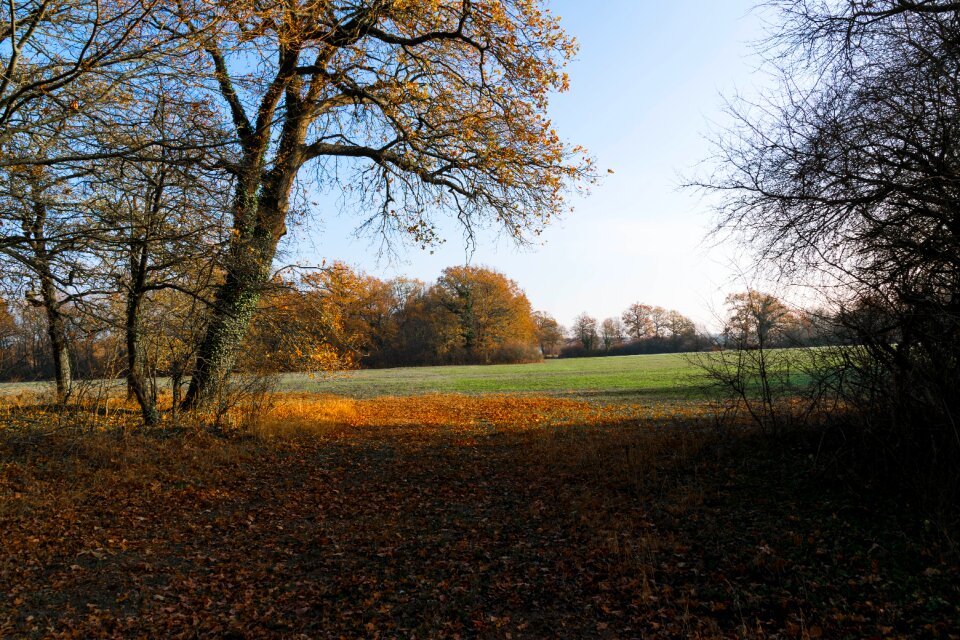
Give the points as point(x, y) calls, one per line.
point(657, 329)
point(611, 333)
point(26, 354)
point(422, 108)
point(679, 325)
point(480, 314)
point(757, 320)
point(636, 320)
point(645, 321)
point(366, 306)
point(658, 321)
point(337, 317)
point(326, 319)
point(549, 333)
point(296, 331)
point(584, 329)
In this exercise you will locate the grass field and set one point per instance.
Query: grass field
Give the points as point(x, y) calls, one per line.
point(650, 376)
point(646, 377)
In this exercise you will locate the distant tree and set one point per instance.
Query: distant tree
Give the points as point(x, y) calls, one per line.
point(31, 351)
point(549, 333)
point(415, 339)
point(636, 320)
point(659, 321)
point(645, 321)
point(679, 326)
point(611, 333)
point(326, 320)
point(366, 307)
point(480, 312)
point(585, 330)
point(757, 320)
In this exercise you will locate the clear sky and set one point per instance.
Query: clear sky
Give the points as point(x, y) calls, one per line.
point(645, 87)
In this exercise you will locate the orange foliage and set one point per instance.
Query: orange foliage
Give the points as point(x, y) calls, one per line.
point(480, 315)
point(458, 412)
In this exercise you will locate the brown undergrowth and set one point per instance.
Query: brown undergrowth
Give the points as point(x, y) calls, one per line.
point(449, 516)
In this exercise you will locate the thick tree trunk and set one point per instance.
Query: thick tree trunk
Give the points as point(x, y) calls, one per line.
point(260, 210)
point(233, 310)
point(248, 270)
point(57, 331)
point(136, 364)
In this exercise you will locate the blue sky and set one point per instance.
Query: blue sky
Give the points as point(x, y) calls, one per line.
point(645, 87)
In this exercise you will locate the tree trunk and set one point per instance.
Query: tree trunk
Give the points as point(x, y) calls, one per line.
point(233, 310)
point(136, 365)
point(56, 330)
point(139, 261)
point(56, 325)
point(176, 381)
point(248, 270)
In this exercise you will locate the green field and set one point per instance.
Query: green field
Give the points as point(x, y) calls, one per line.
point(648, 376)
point(618, 378)
point(668, 376)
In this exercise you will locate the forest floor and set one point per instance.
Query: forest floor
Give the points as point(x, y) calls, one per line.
point(446, 516)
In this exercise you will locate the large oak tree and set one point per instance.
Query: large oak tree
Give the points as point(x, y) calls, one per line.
point(412, 108)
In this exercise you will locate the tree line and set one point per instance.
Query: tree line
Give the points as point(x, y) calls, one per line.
point(641, 328)
point(751, 319)
point(330, 318)
point(337, 317)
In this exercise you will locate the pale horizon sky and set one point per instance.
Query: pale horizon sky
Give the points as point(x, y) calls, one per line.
point(645, 88)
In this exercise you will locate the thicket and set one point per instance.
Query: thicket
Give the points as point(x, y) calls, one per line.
point(847, 177)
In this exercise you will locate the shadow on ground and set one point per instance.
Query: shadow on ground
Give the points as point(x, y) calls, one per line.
point(612, 531)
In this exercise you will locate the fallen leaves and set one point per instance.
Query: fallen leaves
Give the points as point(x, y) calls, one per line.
point(461, 413)
point(445, 517)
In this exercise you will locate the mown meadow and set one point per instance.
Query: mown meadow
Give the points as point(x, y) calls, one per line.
point(654, 376)
point(591, 498)
point(667, 375)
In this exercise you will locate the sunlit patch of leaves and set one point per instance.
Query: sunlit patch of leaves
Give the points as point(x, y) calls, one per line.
point(467, 412)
